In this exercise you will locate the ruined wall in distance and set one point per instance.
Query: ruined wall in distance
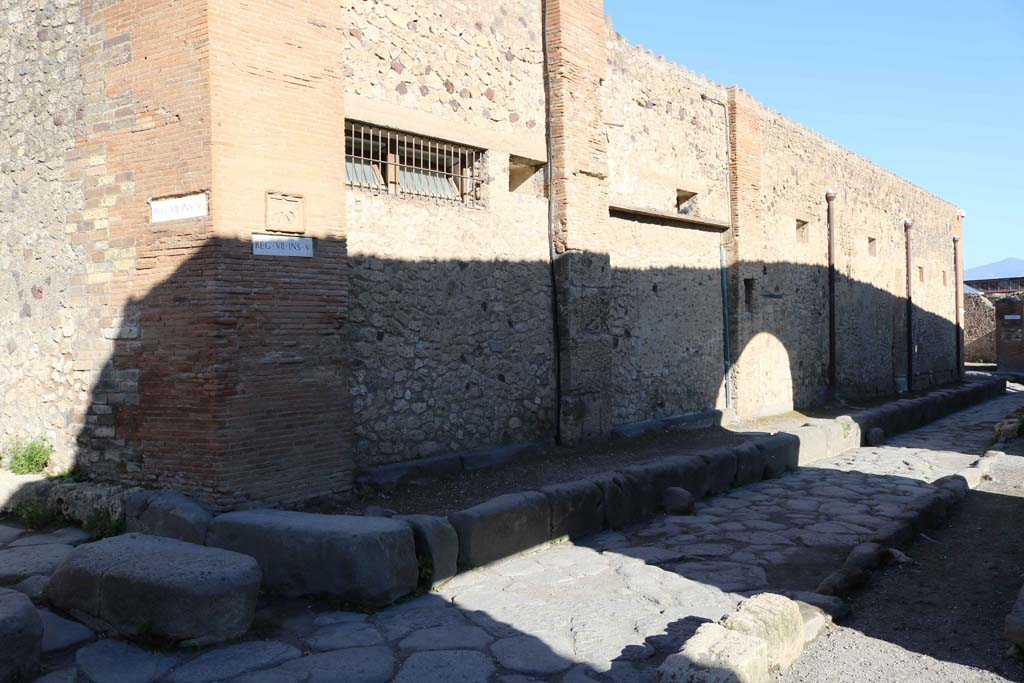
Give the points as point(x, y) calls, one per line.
point(979, 329)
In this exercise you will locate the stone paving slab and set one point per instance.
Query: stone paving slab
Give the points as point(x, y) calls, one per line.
point(611, 607)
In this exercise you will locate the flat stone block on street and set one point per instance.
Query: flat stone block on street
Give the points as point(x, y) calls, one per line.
point(21, 636)
point(774, 619)
point(17, 564)
point(111, 661)
point(368, 561)
point(62, 634)
point(351, 665)
point(234, 660)
point(135, 585)
point(715, 654)
point(167, 513)
point(500, 527)
point(446, 666)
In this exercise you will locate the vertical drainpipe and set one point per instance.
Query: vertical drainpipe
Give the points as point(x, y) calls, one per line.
point(830, 197)
point(958, 332)
point(552, 255)
point(722, 266)
point(907, 226)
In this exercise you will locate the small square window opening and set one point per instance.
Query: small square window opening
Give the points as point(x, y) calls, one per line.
point(803, 232)
point(685, 202)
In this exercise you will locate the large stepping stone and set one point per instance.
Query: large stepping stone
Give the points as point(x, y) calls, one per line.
point(368, 561)
point(17, 564)
point(21, 636)
point(136, 585)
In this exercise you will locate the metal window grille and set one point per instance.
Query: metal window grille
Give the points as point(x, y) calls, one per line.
point(392, 162)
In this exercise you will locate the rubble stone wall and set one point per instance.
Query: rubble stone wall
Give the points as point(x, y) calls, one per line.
point(42, 100)
point(979, 329)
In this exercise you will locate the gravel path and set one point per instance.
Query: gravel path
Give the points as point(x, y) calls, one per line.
point(940, 618)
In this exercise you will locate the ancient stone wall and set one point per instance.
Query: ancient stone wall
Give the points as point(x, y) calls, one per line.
point(450, 323)
point(979, 329)
point(480, 63)
point(783, 263)
point(666, 131)
point(42, 99)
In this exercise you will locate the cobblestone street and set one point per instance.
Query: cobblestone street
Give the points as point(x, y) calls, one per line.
point(608, 608)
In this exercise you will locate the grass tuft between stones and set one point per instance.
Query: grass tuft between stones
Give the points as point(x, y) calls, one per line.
point(29, 457)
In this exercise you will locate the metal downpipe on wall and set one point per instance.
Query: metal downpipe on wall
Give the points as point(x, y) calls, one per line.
point(830, 197)
point(722, 267)
point(958, 370)
point(907, 227)
point(552, 256)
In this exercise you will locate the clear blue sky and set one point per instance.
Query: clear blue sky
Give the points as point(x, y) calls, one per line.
point(931, 90)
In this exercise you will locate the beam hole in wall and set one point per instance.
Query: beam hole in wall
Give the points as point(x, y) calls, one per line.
point(527, 176)
point(803, 232)
point(748, 293)
point(686, 202)
point(872, 246)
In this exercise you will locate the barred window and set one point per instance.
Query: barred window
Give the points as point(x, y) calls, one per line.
point(392, 162)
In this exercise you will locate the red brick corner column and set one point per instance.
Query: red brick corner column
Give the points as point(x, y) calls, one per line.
point(575, 48)
point(213, 369)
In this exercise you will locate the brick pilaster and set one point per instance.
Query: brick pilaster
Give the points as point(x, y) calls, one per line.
point(575, 50)
point(747, 218)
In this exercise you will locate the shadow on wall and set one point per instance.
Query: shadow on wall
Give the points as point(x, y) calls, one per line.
point(230, 379)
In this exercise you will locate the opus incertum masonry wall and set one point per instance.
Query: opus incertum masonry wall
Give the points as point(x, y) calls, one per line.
point(554, 234)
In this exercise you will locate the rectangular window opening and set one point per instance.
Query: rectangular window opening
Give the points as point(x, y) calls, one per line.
point(872, 246)
point(388, 161)
point(527, 176)
point(944, 282)
point(920, 273)
point(803, 232)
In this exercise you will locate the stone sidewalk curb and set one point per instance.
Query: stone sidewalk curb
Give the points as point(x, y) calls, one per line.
point(924, 513)
point(516, 522)
point(765, 634)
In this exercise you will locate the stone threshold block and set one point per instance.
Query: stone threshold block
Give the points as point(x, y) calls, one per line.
point(366, 561)
point(138, 586)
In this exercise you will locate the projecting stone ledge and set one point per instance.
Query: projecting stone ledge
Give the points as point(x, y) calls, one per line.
point(368, 561)
point(136, 585)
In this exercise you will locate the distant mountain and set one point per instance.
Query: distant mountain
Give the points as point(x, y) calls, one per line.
point(1008, 267)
